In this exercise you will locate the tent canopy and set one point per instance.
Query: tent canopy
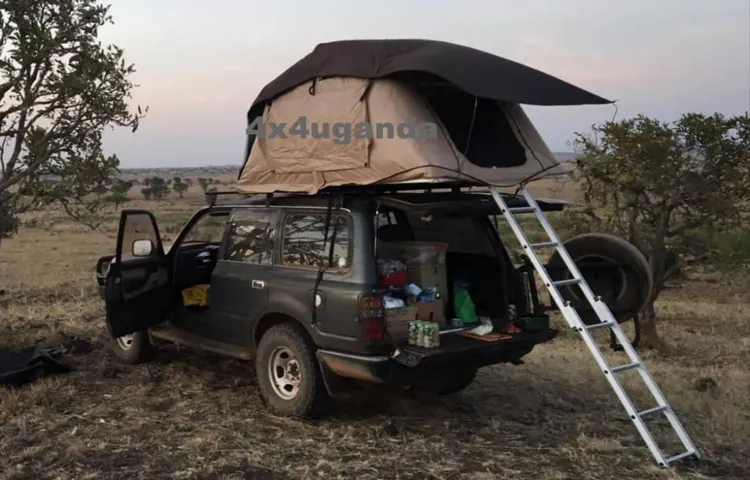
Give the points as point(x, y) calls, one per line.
point(469, 98)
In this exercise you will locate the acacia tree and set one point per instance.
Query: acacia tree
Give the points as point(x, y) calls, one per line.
point(59, 88)
point(179, 186)
point(662, 185)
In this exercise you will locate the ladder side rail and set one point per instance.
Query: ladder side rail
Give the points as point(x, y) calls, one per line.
point(622, 395)
point(605, 315)
point(533, 258)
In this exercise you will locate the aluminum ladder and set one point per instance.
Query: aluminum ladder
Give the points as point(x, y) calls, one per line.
point(606, 319)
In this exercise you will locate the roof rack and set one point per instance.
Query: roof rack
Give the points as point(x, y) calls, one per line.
point(427, 187)
point(378, 188)
point(387, 188)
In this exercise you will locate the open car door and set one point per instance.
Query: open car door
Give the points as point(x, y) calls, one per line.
point(137, 289)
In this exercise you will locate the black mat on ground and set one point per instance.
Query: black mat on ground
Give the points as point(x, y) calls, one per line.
point(19, 367)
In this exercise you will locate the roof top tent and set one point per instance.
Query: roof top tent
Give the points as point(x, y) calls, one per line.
point(404, 111)
point(410, 110)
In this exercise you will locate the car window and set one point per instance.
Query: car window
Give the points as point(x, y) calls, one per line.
point(303, 244)
point(138, 226)
point(208, 229)
point(251, 237)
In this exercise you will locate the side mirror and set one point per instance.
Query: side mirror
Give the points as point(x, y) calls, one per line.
point(143, 248)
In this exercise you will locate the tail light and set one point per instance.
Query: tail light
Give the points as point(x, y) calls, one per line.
point(372, 318)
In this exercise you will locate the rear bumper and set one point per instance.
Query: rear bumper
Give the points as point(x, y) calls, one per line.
point(416, 362)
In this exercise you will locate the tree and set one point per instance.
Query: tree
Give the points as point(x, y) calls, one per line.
point(118, 193)
point(156, 188)
point(121, 186)
point(59, 88)
point(662, 185)
point(204, 183)
point(179, 186)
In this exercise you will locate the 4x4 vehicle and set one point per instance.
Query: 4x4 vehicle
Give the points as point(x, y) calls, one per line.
point(292, 281)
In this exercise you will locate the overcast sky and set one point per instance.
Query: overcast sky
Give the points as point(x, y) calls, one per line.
point(201, 64)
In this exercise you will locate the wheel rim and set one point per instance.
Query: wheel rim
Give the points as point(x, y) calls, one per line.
point(126, 341)
point(612, 287)
point(284, 373)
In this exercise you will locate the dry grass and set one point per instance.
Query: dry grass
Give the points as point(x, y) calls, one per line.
point(191, 415)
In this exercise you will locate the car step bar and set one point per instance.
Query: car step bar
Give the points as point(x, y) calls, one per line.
point(606, 319)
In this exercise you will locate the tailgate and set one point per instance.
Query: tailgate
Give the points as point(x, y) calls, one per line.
point(457, 348)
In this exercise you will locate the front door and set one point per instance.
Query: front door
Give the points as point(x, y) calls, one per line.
point(137, 287)
point(241, 281)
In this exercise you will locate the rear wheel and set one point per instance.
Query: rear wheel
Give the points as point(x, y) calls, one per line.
point(289, 376)
point(134, 348)
point(448, 381)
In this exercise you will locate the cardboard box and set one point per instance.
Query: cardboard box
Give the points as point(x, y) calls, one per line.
point(431, 312)
point(397, 322)
point(428, 277)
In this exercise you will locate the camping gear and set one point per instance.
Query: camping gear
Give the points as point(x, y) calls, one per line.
point(23, 366)
point(605, 318)
point(535, 323)
point(391, 273)
point(397, 322)
point(407, 86)
point(425, 262)
point(489, 337)
point(464, 306)
point(431, 311)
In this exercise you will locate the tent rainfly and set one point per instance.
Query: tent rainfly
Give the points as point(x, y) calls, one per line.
point(363, 112)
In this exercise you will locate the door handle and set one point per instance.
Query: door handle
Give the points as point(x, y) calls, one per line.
point(259, 284)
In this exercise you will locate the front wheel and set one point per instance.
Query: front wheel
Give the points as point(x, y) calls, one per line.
point(134, 348)
point(289, 376)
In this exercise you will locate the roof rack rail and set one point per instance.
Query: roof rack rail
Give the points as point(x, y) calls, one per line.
point(212, 197)
point(380, 188)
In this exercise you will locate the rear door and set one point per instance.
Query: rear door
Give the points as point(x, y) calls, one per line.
point(241, 281)
point(304, 250)
point(137, 288)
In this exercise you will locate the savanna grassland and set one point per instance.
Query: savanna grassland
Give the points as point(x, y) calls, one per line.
point(195, 415)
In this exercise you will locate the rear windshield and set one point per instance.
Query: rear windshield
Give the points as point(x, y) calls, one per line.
point(462, 234)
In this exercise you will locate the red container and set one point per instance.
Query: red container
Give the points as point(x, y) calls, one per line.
point(395, 279)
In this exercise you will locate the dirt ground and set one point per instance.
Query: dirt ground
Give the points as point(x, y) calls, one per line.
point(194, 415)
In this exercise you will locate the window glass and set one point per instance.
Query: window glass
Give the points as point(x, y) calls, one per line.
point(138, 226)
point(251, 237)
point(208, 229)
point(303, 241)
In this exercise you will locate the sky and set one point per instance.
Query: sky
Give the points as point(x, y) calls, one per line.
point(201, 64)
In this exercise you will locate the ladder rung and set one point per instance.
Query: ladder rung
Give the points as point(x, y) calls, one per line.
point(649, 411)
point(599, 325)
point(627, 366)
point(522, 210)
point(562, 283)
point(679, 456)
point(544, 245)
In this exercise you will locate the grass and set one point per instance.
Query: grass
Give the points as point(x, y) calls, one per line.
point(194, 415)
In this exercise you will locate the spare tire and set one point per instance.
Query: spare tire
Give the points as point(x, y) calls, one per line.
point(615, 269)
